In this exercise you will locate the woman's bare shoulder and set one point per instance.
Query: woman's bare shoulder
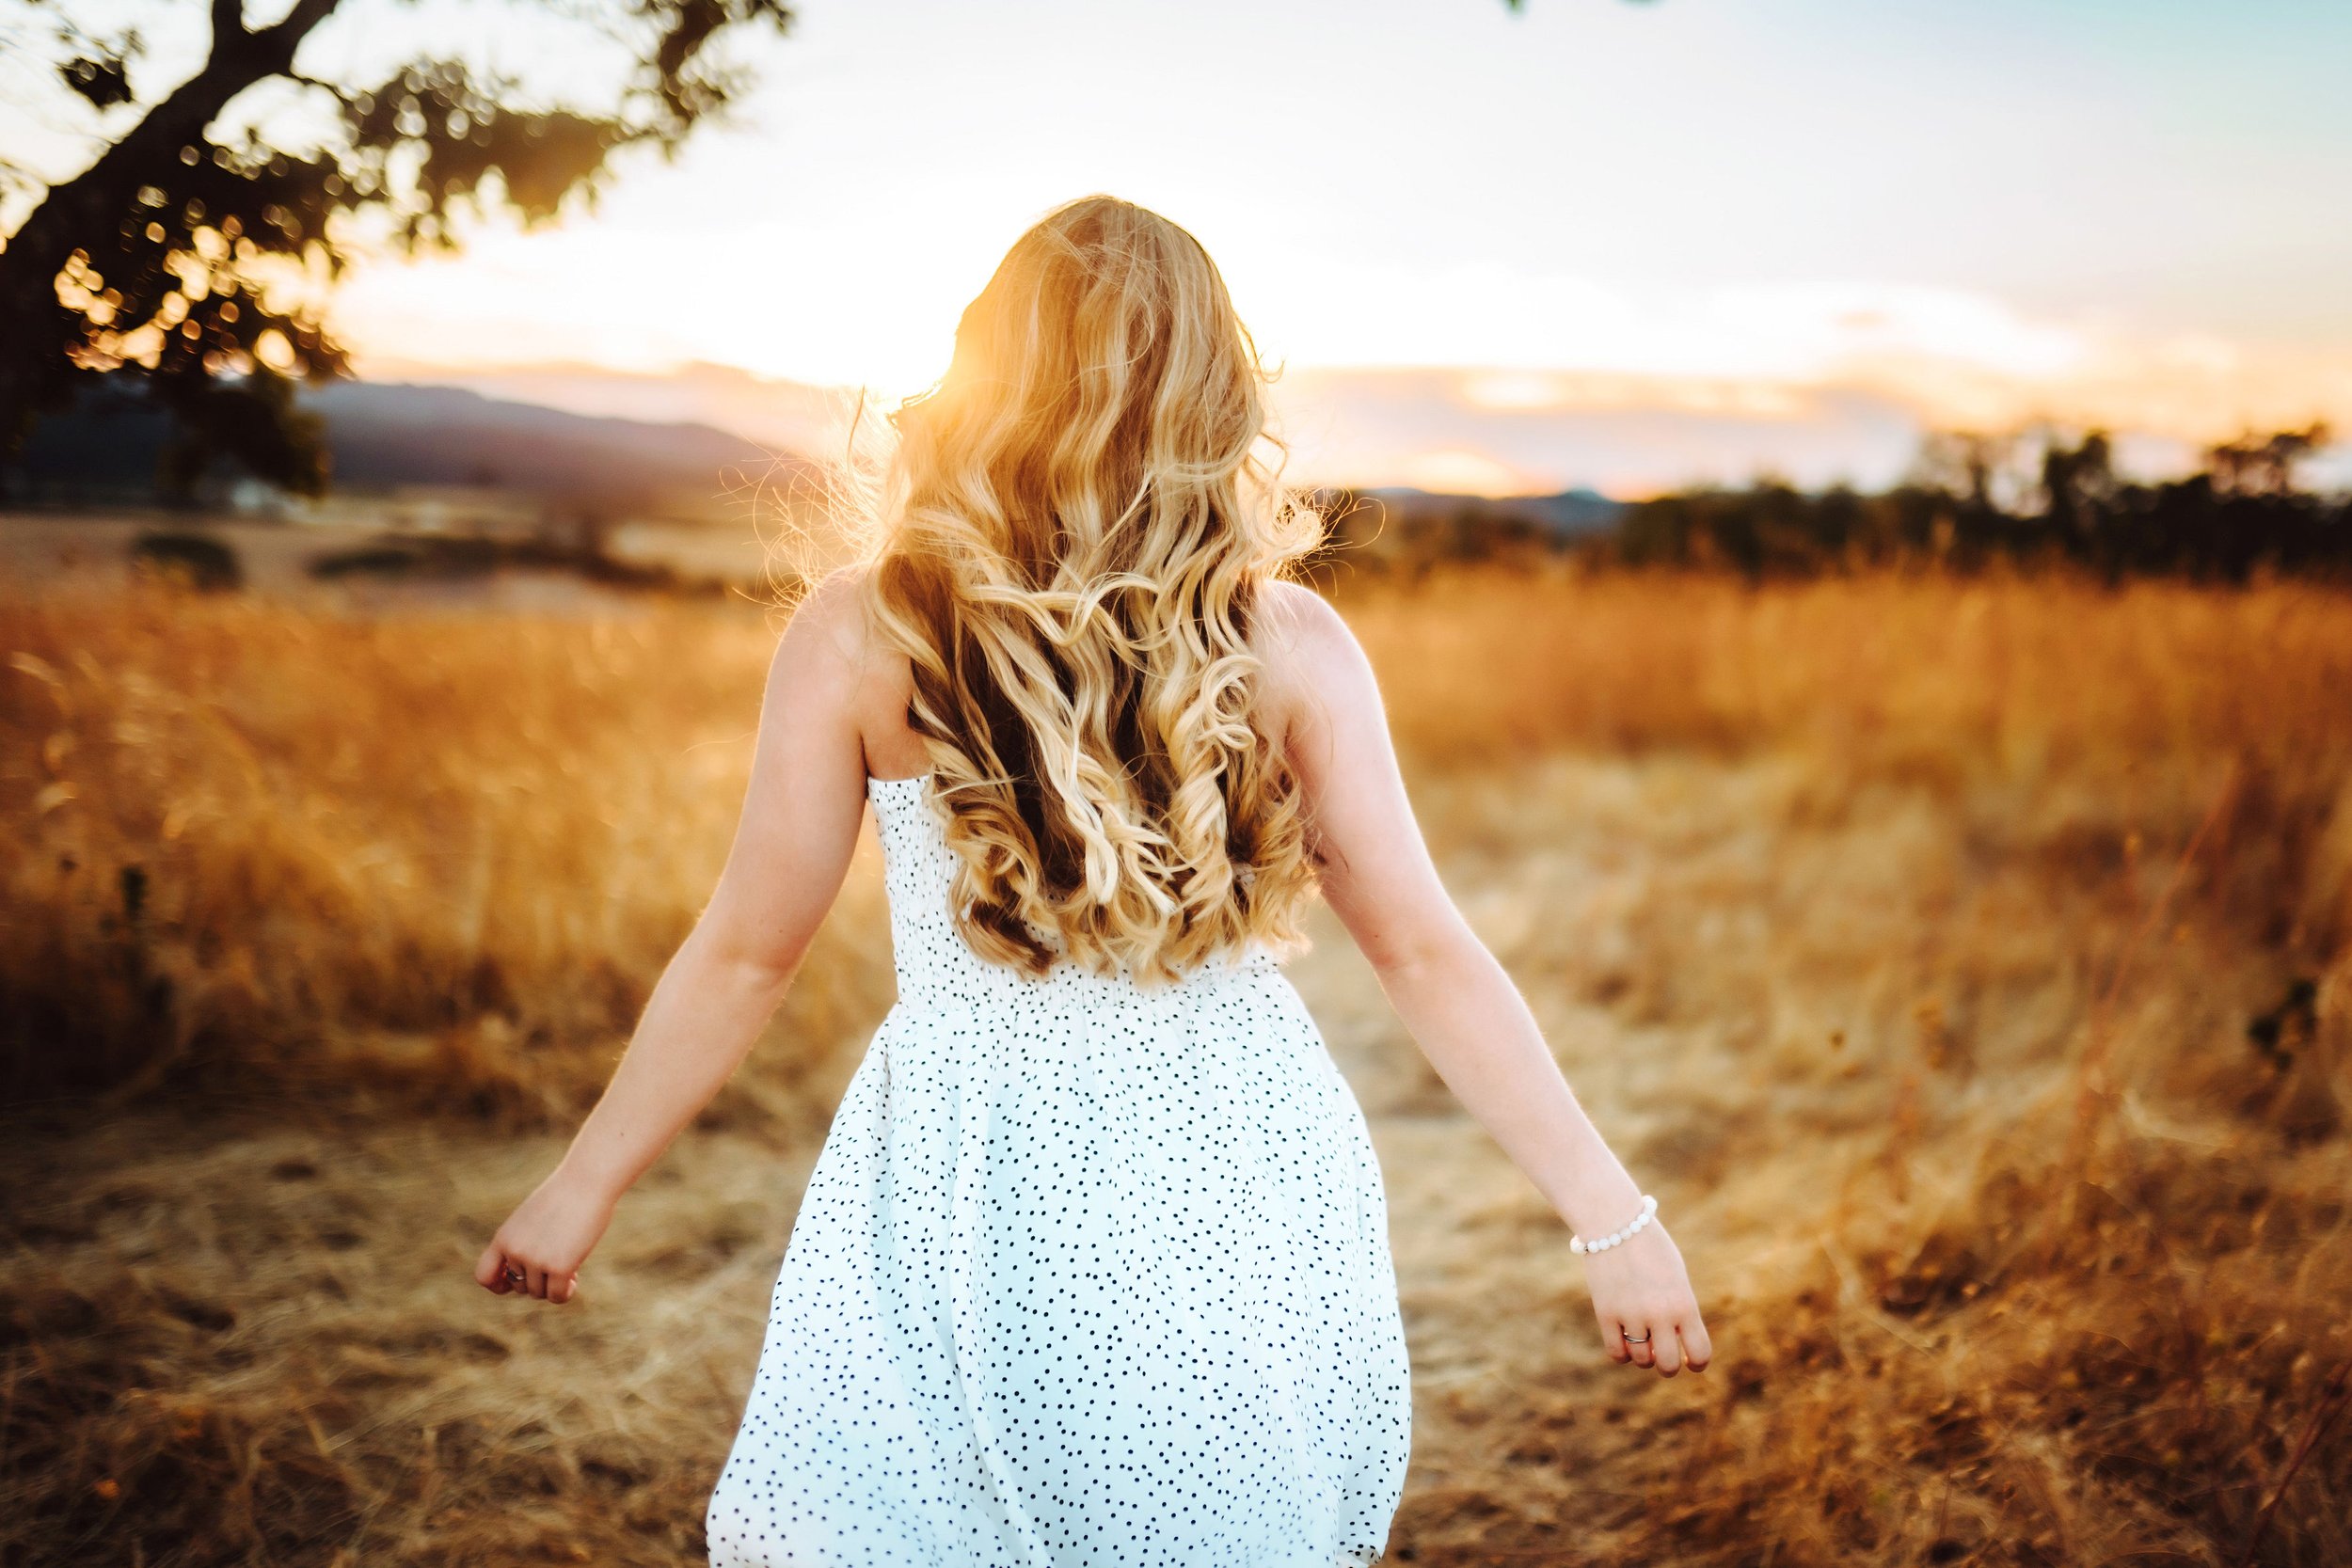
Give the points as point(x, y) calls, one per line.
point(1300, 622)
point(836, 614)
point(1314, 671)
point(833, 607)
point(1301, 638)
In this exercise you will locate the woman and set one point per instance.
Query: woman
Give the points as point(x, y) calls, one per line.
point(1093, 1268)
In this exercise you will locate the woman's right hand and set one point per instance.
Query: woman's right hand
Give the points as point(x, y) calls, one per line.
point(539, 1251)
point(1642, 1295)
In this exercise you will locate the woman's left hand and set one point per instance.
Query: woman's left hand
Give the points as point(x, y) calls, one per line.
point(1649, 1313)
point(539, 1250)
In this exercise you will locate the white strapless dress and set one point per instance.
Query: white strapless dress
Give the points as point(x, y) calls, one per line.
point(1088, 1276)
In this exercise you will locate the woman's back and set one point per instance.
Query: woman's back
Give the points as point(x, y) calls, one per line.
point(1090, 1271)
point(1280, 640)
point(936, 967)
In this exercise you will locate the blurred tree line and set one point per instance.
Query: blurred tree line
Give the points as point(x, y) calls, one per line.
point(1974, 501)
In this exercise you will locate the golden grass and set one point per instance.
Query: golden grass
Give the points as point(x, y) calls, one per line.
point(268, 848)
point(1904, 934)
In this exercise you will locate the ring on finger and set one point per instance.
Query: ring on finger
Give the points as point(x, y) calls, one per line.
point(1633, 1340)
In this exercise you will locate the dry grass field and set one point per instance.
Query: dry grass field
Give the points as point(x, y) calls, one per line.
point(1966, 965)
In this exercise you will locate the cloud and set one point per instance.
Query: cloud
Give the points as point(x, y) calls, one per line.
point(1502, 432)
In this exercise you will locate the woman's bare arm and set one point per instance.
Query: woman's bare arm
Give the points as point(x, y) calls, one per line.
point(792, 850)
point(1459, 1004)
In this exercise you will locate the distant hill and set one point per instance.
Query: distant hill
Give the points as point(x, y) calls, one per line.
point(793, 416)
point(1394, 526)
point(407, 434)
point(388, 435)
point(1570, 514)
point(391, 437)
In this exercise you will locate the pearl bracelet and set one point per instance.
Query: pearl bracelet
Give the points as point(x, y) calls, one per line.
point(1618, 1238)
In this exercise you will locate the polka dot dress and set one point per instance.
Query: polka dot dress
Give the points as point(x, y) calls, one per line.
point(1088, 1276)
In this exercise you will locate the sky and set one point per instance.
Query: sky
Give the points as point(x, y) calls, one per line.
point(1596, 242)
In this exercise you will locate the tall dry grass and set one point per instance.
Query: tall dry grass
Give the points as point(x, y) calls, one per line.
point(1975, 962)
point(258, 848)
point(1963, 964)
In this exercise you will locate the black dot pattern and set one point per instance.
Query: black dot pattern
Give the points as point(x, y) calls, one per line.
point(1088, 1276)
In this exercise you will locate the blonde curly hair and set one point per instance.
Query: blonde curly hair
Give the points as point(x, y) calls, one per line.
point(1069, 546)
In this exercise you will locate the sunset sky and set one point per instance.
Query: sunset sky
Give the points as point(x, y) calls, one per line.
point(1599, 243)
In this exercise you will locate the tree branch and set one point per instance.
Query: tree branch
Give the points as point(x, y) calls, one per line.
point(32, 327)
point(335, 91)
point(228, 20)
point(289, 32)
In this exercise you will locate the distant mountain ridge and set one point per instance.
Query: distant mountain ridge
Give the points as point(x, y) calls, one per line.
point(391, 434)
point(1569, 514)
point(1398, 526)
point(395, 436)
point(404, 434)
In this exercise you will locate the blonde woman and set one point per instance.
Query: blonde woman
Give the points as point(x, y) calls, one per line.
point(1093, 1269)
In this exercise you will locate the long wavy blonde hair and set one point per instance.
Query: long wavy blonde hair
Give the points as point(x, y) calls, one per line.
point(1069, 546)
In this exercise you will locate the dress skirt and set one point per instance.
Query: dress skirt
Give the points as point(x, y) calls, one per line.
point(1088, 1276)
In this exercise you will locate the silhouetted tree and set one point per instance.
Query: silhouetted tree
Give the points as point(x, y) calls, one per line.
point(2078, 492)
point(2262, 465)
point(192, 253)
